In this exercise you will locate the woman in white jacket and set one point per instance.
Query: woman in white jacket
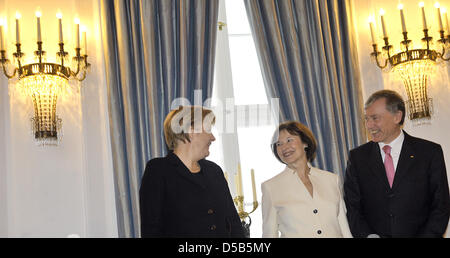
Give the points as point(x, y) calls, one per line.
point(301, 201)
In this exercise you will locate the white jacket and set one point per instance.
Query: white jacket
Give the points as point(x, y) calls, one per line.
point(289, 209)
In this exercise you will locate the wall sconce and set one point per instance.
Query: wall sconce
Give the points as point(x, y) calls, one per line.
point(414, 66)
point(44, 82)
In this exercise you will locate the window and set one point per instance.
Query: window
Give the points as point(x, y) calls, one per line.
point(239, 89)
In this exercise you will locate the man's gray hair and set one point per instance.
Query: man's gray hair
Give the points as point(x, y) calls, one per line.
point(394, 102)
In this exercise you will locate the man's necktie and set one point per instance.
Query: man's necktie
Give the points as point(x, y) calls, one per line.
point(389, 164)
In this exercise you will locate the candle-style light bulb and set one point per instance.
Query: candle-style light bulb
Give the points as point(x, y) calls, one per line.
point(60, 31)
point(372, 34)
point(253, 185)
point(383, 26)
point(84, 39)
point(438, 8)
point(402, 17)
point(444, 11)
point(18, 16)
point(38, 17)
point(226, 176)
point(240, 190)
point(2, 35)
point(77, 23)
point(236, 182)
point(437, 5)
point(424, 19)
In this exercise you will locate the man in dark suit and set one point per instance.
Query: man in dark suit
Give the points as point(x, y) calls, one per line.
point(395, 185)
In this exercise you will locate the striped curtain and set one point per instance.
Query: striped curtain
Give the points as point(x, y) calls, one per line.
point(307, 53)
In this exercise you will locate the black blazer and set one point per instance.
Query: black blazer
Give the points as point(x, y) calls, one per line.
point(418, 203)
point(173, 204)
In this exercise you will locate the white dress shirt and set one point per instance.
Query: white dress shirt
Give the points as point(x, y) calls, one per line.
point(288, 210)
point(396, 148)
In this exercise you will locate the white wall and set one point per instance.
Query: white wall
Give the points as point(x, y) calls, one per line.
point(4, 118)
point(373, 79)
point(68, 189)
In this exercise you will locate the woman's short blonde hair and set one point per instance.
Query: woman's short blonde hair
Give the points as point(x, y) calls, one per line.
point(179, 122)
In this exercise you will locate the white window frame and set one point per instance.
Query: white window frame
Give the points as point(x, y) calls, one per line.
point(228, 141)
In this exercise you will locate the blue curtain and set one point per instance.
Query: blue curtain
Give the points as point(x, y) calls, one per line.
point(307, 52)
point(155, 52)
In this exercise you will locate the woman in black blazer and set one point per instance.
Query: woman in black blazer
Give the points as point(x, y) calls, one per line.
point(182, 194)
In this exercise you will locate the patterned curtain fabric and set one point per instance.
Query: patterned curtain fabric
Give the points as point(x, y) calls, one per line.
point(307, 52)
point(155, 52)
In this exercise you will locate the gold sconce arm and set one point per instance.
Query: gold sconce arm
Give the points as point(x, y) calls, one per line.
point(85, 68)
point(221, 25)
point(5, 62)
point(6, 73)
point(375, 54)
point(239, 202)
point(82, 65)
point(444, 41)
point(9, 76)
point(441, 55)
point(78, 59)
point(255, 206)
